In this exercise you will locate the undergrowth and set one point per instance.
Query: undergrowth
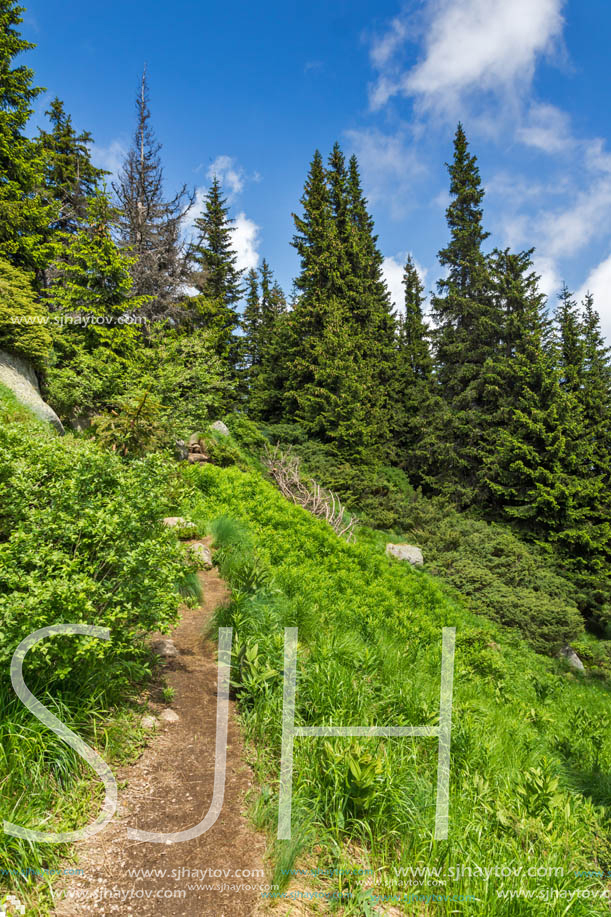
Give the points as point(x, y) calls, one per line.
point(531, 748)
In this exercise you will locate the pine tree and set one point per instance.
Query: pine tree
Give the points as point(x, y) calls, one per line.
point(414, 330)
point(25, 214)
point(273, 305)
point(570, 343)
point(264, 324)
point(150, 226)
point(319, 289)
point(413, 377)
point(70, 177)
point(92, 289)
point(524, 449)
point(251, 322)
point(538, 467)
point(467, 327)
point(596, 393)
point(219, 278)
point(340, 358)
point(216, 275)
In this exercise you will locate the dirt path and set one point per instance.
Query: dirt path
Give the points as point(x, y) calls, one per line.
point(169, 789)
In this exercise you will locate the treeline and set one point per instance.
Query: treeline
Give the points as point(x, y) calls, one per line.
point(495, 403)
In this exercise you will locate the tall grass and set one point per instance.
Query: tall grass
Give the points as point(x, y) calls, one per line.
point(531, 747)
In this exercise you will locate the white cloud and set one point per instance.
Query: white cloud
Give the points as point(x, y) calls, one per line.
point(470, 45)
point(546, 128)
point(229, 173)
point(390, 167)
point(109, 157)
point(550, 281)
point(392, 269)
point(246, 242)
point(599, 284)
point(384, 48)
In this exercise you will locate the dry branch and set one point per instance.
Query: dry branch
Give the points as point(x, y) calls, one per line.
point(285, 469)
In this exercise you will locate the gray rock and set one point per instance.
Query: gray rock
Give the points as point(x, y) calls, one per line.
point(220, 427)
point(568, 653)
point(181, 450)
point(201, 554)
point(18, 375)
point(407, 552)
point(169, 716)
point(149, 722)
point(177, 522)
point(164, 648)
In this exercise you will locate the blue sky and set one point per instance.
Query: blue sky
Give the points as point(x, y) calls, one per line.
point(250, 90)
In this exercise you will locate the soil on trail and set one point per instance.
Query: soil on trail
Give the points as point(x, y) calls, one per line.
point(170, 789)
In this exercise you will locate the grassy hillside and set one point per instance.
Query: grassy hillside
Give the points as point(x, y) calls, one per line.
point(531, 748)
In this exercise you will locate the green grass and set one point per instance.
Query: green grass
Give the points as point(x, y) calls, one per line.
point(531, 748)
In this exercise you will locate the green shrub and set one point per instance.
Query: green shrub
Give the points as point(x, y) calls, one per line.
point(31, 337)
point(81, 541)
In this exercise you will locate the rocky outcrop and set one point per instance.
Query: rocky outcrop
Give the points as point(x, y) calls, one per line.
point(568, 653)
point(219, 427)
point(18, 375)
point(408, 552)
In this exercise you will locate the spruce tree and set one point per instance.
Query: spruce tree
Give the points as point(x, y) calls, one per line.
point(25, 213)
point(319, 290)
point(216, 275)
point(70, 177)
point(467, 328)
point(92, 289)
point(570, 342)
point(251, 322)
point(538, 469)
point(413, 379)
point(264, 325)
point(150, 226)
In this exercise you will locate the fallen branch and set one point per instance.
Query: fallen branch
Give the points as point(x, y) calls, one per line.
point(285, 469)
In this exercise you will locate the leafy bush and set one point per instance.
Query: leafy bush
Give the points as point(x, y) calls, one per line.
point(81, 541)
point(30, 338)
point(181, 371)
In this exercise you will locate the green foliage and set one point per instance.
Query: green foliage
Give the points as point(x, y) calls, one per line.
point(182, 372)
point(70, 177)
point(81, 541)
point(23, 317)
point(509, 581)
point(369, 651)
point(92, 281)
point(134, 429)
point(25, 214)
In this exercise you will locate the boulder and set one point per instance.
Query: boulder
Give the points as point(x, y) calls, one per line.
point(18, 375)
point(186, 528)
point(164, 648)
point(568, 653)
point(148, 722)
point(181, 450)
point(408, 552)
point(195, 457)
point(169, 716)
point(219, 427)
point(201, 554)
